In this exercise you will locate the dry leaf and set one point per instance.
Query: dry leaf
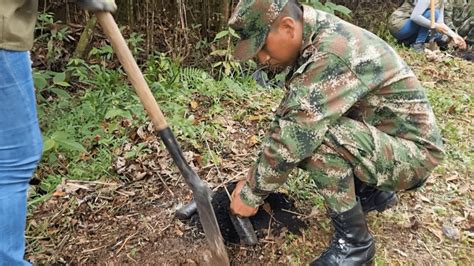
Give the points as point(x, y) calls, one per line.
point(139, 176)
point(266, 207)
point(424, 199)
point(178, 231)
point(59, 193)
point(451, 232)
point(194, 105)
point(253, 140)
point(452, 178)
point(255, 118)
point(438, 233)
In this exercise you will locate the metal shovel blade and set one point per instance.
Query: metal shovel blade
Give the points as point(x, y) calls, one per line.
point(201, 194)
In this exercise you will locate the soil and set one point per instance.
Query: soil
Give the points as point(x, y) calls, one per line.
point(276, 218)
point(135, 223)
point(466, 55)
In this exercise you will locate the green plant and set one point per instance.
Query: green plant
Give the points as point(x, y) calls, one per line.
point(79, 69)
point(104, 53)
point(226, 62)
point(135, 41)
point(48, 82)
point(329, 7)
point(61, 140)
point(301, 186)
point(55, 34)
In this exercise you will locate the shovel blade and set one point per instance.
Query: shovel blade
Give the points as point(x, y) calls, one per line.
point(201, 195)
point(210, 227)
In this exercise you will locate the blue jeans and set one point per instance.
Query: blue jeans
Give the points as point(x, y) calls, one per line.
point(414, 33)
point(20, 151)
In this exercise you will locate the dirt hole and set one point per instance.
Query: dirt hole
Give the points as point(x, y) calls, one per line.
point(276, 217)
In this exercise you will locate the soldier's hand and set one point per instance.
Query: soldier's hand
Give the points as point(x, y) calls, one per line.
point(237, 206)
point(98, 5)
point(460, 42)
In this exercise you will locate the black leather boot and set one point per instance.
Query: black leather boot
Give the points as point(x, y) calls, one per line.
point(373, 199)
point(352, 244)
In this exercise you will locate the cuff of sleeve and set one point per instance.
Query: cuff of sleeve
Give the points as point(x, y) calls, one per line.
point(250, 198)
point(451, 33)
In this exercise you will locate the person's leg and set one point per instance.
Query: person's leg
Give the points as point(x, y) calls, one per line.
point(333, 177)
point(352, 243)
point(352, 148)
point(378, 159)
point(423, 32)
point(407, 34)
point(20, 151)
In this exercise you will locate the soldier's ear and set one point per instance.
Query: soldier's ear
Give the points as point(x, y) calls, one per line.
point(288, 26)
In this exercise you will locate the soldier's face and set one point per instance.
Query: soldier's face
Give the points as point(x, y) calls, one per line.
point(282, 45)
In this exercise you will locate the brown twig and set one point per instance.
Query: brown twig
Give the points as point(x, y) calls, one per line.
point(125, 242)
point(295, 213)
point(166, 185)
point(93, 249)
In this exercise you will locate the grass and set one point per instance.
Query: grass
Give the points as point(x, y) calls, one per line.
point(83, 123)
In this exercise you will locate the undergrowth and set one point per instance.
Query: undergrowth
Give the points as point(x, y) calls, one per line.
point(86, 119)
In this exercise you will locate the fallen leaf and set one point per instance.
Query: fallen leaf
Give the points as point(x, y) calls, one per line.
point(266, 207)
point(255, 118)
point(451, 232)
point(194, 105)
point(424, 199)
point(253, 140)
point(438, 233)
point(59, 193)
point(140, 176)
point(452, 178)
point(178, 231)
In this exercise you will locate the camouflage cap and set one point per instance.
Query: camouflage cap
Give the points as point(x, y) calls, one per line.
point(252, 20)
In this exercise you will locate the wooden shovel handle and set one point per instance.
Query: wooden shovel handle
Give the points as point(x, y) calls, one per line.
point(131, 68)
point(433, 13)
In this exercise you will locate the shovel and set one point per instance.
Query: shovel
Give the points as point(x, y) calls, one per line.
point(199, 188)
point(432, 34)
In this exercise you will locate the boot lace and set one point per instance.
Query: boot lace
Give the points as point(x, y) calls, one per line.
point(338, 242)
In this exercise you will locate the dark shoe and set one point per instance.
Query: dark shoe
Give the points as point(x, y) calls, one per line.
point(373, 199)
point(443, 43)
point(418, 47)
point(352, 244)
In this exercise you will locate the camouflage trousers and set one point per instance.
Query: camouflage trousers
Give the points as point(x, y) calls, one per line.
point(353, 148)
point(466, 30)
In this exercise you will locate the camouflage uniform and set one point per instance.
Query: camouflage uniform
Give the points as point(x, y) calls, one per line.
point(460, 17)
point(352, 108)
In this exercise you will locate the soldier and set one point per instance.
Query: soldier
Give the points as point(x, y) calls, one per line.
point(354, 116)
point(460, 18)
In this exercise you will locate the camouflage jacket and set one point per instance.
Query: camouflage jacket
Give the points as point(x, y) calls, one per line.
point(457, 11)
point(342, 70)
point(460, 17)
